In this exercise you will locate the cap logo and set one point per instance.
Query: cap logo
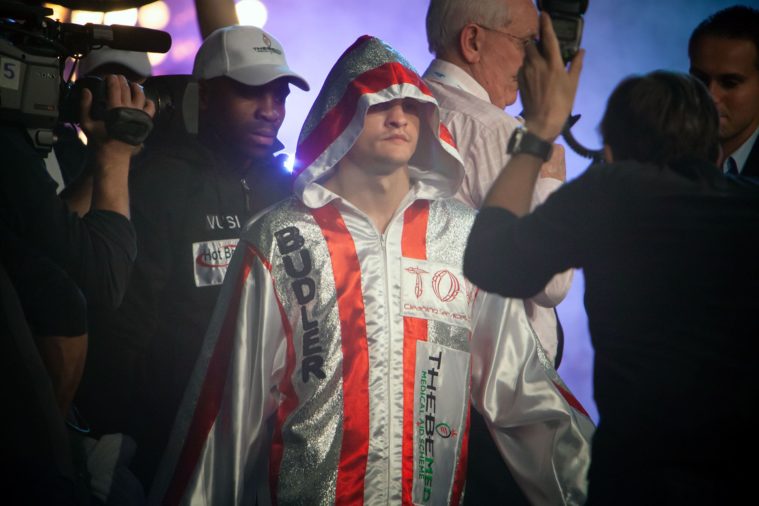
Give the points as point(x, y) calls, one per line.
point(266, 48)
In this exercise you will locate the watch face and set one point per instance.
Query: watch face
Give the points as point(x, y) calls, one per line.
point(522, 141)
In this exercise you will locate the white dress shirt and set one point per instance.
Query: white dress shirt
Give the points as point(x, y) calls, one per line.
point(482, 132)
point(740, 155)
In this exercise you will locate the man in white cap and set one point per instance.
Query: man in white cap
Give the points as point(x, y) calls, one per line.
point(190, 199)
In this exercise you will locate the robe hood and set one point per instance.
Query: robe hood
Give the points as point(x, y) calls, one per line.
point(371, 72)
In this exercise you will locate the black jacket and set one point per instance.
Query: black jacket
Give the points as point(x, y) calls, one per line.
point(96, 251)
point(751, 168)
point(52, 258)
point(671, 290)
point(184, 200)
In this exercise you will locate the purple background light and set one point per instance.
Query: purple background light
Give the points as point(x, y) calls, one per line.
point(621, 38)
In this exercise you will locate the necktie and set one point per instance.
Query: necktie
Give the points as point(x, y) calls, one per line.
point(732, 167)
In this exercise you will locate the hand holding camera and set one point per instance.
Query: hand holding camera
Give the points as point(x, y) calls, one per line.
point(126, 116)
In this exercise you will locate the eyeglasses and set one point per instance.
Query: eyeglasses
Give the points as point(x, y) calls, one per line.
point(520, 42)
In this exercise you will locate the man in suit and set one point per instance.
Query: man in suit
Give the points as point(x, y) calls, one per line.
point(724, 55)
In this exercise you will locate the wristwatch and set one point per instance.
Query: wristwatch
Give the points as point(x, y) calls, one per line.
point(522, 141)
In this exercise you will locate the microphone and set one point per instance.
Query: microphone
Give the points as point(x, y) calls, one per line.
point(129, 38)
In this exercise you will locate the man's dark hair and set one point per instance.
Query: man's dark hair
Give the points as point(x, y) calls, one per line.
point(660, 118)
point(736, 22)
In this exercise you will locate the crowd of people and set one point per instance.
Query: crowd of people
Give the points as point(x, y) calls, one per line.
point(187, 322)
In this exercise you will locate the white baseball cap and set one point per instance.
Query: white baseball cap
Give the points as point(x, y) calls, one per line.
point(135, 61)
point(246, 54)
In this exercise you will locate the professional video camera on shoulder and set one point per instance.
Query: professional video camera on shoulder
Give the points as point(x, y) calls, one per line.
point(33, 53)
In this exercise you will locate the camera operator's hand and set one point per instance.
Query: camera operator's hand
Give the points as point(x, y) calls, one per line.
point(111, 157)
point(546, 87)
point(120, 93)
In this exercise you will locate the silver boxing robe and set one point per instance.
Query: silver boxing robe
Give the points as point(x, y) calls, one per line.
point(341, 361)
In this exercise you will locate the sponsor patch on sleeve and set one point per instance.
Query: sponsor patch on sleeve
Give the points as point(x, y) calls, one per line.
point(211, 259)
point(436, 291)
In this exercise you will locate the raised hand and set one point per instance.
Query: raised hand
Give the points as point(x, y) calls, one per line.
point(546, 86)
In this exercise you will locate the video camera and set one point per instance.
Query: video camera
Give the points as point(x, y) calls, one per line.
point(33, 53)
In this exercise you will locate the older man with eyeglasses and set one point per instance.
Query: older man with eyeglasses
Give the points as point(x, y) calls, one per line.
point(479, 48)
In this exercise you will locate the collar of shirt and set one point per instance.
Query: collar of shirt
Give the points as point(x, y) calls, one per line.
point(740, 155)
point(452, 75)
point(316, 195)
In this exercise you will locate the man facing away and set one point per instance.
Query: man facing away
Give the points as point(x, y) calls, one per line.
point(667, 245)
point(189, 201)
point(55, 266)
point(724, 55)
point(346, 345)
